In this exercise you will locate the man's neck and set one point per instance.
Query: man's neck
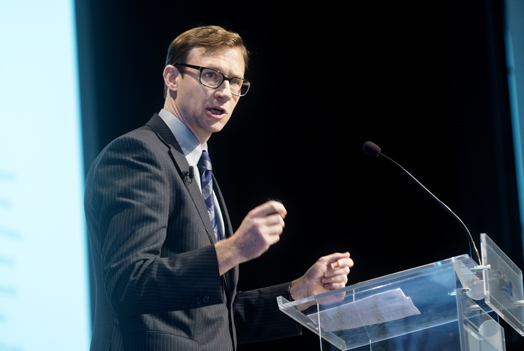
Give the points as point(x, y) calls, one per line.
point(169, 106)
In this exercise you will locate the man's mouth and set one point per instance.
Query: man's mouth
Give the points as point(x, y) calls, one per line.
point(217, 111)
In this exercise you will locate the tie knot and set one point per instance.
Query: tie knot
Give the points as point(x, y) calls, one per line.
point(204, 164)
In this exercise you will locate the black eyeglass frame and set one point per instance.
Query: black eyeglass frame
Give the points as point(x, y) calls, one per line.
point(200, 68)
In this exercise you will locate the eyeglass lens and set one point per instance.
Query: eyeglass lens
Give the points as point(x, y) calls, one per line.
point(214, 79)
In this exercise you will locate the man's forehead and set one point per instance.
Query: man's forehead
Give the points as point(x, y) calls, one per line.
point(224, 54)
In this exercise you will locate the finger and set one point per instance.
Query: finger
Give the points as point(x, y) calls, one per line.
point(269, 208)
point(273, 224)
point(334, 257)
point(340, 278)
point(344, 262)
point(335, 298)
point(272, 239)
point(274, 219)
point(334, 286)
point(334, 282)
point(335, 272)
point(274, 230)
point(339, 283)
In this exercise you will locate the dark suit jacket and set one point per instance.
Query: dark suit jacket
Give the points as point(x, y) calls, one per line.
point(152, 247)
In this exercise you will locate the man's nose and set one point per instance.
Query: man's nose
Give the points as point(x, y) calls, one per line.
point(224, 90)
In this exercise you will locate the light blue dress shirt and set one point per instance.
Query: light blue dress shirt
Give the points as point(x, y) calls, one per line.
point(192, 150)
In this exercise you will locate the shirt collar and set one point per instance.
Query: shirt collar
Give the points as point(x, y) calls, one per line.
point(185, 138)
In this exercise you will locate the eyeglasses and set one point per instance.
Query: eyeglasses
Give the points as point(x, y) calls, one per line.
point(212, 78)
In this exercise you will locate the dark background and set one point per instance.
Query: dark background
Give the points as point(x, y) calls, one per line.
point(425, 80)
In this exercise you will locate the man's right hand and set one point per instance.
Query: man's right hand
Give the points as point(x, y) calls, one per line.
point(260, 229)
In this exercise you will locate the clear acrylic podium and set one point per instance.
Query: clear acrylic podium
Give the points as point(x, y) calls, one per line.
point(453, 304)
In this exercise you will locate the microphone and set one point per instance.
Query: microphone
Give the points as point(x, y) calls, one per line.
point(372, 149)
point(188, 176)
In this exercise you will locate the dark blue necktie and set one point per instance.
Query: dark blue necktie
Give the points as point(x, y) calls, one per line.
point(205, 169)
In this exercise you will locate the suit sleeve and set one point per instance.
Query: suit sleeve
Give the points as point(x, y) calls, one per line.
point(258, 318)
point(132, 192)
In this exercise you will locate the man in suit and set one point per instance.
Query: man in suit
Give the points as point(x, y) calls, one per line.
point(164, 254)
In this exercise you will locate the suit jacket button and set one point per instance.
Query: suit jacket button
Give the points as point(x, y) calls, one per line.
point(206, 299)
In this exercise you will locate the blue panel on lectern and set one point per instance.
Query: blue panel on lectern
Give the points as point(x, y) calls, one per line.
point(43, 260)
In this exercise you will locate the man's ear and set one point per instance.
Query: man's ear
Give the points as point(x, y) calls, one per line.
point(171, 75)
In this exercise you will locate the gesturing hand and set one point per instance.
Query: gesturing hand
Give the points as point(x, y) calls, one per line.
point(260, 229)
point(328, 273)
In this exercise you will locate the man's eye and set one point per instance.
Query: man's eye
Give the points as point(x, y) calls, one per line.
point(210, 75)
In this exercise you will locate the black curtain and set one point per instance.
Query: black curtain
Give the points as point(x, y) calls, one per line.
point(426, 81)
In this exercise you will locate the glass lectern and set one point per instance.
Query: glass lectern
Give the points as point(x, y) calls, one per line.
point(452, 304)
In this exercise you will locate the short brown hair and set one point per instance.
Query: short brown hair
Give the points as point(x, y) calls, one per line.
point(207, 37)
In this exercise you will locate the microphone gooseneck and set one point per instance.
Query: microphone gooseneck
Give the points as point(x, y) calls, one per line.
point(371, 149)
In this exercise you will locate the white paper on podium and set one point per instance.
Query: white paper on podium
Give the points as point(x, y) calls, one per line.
point(379, 308)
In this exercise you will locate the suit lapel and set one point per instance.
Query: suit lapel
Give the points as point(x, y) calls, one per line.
point(162, 130)
point(233, 273)
point(164, 133)
point(227, 223)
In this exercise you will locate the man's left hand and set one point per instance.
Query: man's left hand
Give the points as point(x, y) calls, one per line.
point(328, 273)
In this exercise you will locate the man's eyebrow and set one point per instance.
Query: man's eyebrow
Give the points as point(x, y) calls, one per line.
point(212, 66)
